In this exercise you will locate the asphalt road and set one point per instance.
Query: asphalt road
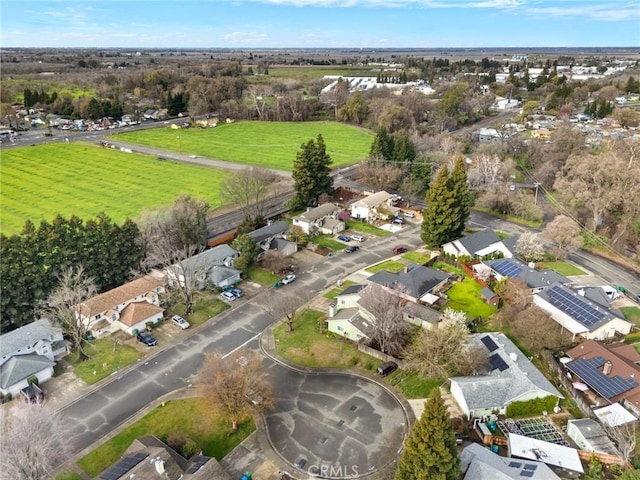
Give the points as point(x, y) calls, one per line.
point(102, 410)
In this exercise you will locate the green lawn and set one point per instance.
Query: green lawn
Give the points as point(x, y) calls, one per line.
point(327, 241)
point(83, 179)
point(511, 218)
point(465, 296)
point(363, 227)
point(265, 144)
point(334, 292)
point(68, 476)
point(390, 266)
point(417, 257)
point(197, 419)
point(448, 268)
point(308, 347)
point(106, 357)
point(207, 305)
point(563, 268)
point(412, 385)
point(632, 314)
point(262, 276)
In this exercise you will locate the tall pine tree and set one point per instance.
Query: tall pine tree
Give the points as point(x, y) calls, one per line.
point(311, 173)
point(464, 198)
point(430, 451)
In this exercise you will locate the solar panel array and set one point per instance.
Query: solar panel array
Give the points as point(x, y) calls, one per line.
point(527, 473)
point(575, 306)
point(196, 463)
point(507, 269)
point(608, 387)
point(489, 343)
point(498, 362)
point(123, 466)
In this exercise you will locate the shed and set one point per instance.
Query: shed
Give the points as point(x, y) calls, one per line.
point(489, 296)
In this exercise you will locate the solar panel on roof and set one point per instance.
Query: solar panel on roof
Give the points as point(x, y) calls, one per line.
point(526, 473)
point(123, 466)
point(531, 467)
point(489, 343)
point(507, 269)
point(515, 464)
point(498, 362)
point(575, 306)
point(196, 463)
point(608, 387)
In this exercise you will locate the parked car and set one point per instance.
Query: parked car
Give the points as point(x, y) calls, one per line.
point(181, 322)
point(387, 368)
point(147, 339)
point(357, 238)
point(398, 220)
point(351, 249)
point(409, 214)
point(344, 238)
point(288, 279)
point(397, 250)
point(236, 292)
point(227, 296)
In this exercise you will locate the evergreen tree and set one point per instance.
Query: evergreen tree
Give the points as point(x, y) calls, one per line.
point(632, 86)
point(404, 152)
point(311, 173)
point(383, 145)
point(464, 199)
point(430, 451)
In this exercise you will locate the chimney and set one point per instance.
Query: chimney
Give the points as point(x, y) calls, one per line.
point(159, 466)
point(606, 369)
point(333, 308)
point(406, 269)
point(581, 292)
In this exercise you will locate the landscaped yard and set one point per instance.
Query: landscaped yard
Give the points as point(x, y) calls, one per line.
point(390, 266)
point(308, 347)
point(417, 257)
point(363, 227)
point(327, 241)
point(563, 268)
point(68, 476)
point(207, 305)
point(632, 314)
point(264, 144)
point(106, 357)
point(465, 296)
point(194, 418)
point(263, 277)
point(411, 384)
point(83, 179)
point(334, 292)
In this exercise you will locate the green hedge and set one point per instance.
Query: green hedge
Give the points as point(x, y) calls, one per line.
point(632, 338)
point(532, 407)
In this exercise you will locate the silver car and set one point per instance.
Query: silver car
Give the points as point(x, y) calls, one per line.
point(180, 322)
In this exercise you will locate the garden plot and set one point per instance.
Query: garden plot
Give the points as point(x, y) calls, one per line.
point(539, 428)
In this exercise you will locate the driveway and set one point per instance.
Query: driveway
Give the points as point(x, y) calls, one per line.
point(334, 425)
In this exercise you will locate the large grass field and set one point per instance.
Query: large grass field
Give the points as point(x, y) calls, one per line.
point(83, 179)
point(265, 144)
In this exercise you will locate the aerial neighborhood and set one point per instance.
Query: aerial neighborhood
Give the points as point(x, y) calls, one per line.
point(378, 264)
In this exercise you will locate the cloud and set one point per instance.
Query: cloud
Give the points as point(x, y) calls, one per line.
point(614, 12)
point(393, 3)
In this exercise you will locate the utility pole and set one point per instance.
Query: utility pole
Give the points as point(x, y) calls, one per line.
point(535, 200)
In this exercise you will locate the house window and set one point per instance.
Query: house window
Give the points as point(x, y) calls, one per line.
point(339, 328)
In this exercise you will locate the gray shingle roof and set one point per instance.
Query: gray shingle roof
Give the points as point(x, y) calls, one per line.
point(417, 280)
point(318, 212)
point(21, 367)
point(276, 228)
point(532, 277)
point(351, 289)
point(30, 334)
point(499, 388)
point(480, 463)
point(479, 240)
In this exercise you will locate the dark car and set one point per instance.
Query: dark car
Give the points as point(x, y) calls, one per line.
point(399, 249)
point(236, 292)
point(148, 339)
point(387, 368)
point(352, 249)
point(398, 220)
point(344, 238)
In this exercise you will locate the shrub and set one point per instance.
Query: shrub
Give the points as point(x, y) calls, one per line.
point(149, 325)
point(632, 338)
point(190, 449)
point(534, 406)
point(33, 380)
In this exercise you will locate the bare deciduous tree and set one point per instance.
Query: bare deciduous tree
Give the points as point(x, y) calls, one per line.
point(284, 307)
point(33, 441)
point(564, 232)
point(486, 171)
point(65, 301)
point(236, 383)
point(515, 292)
point(439, 352)
point(249, 190)
point(383, 312)
point(275, 261)
point(379, 175)
point(537, 330)
point(409, 188)
point(529, 247)
point(625, 437)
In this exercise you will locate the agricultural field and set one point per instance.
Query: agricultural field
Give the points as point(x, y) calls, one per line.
point(264, 144)
point(74, 178)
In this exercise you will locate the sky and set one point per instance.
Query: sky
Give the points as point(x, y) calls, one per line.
point(319, 23)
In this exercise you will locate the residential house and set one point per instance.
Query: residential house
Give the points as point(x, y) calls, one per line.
point(590, 436)
point(27, 352)
point(322, 219)
point(213, 265)
point(373, 207)
point(481, 244)
point(579, 315)
point(127, 308)
point(511, 378)
point(415, 282)
point(492, 135)
point(536, 280)
point(614, 415)
point(563, 459)
point(271, 237)
point(148, 458)
point(609, 370)
point(480, 463)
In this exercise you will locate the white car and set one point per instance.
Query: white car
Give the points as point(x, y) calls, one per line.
point(409, 214)
point(228, 296)
point(288, 279)
point(180, 322)
point(357, 238)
